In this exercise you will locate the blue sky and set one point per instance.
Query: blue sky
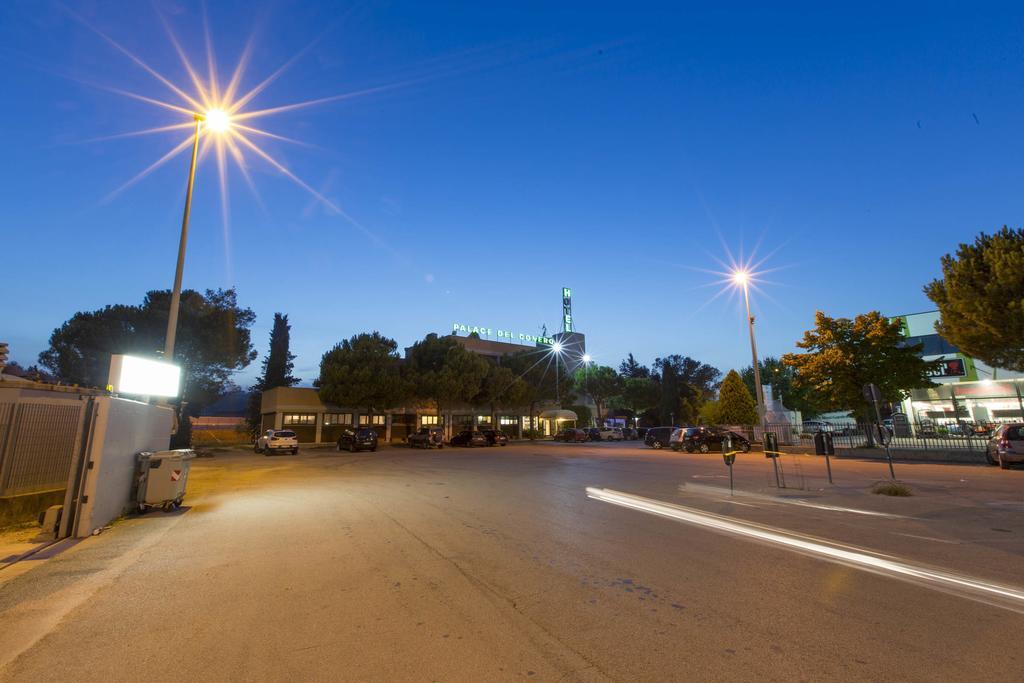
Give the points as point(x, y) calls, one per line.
point(617, 148)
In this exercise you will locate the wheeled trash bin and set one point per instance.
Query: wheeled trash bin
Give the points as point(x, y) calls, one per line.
point(161, 478)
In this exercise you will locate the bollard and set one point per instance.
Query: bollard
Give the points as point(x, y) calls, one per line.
point(828, 448)
point(729, 455)
point(771, 450)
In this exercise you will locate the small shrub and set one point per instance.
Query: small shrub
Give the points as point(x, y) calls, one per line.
point(891, 488)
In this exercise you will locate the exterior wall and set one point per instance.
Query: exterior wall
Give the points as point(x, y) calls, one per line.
point(979, 392)
point(399, 423)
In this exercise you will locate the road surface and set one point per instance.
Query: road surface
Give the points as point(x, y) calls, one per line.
point(496, 564)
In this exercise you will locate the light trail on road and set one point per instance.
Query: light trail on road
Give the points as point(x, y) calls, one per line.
point(725, 494)
point(1005, 597)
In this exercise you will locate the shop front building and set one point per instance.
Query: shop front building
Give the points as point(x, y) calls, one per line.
point(966, 391)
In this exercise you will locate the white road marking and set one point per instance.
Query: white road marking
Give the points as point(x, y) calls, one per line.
point(1006, 597)
point(718, 491)
point(927, 538)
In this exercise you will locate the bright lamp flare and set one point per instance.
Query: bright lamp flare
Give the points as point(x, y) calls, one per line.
point(557, 347)
point(586, 358)
point(740, 277)
point(217, 120)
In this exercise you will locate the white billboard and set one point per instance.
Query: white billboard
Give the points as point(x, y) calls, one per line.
point(143, 376)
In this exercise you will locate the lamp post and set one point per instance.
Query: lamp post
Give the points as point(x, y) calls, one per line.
point(556, 348)
point(742, 279)
point(216, 121)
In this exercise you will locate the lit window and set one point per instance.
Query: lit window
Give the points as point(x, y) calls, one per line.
point(429, 420)
point(372, 419)
point(483, 419)
point(337, 419)
point(380, 419)
point(298, 419)
point(507, 420)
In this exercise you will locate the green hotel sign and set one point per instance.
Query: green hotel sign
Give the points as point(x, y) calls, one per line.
point(501, 335)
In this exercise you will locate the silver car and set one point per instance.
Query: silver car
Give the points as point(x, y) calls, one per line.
point(1006, 446)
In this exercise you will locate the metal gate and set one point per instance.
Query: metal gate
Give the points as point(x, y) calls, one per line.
point(38, 442)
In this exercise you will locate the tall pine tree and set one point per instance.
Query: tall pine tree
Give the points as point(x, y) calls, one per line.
point(277, 369)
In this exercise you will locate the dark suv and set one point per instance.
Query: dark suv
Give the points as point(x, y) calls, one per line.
point(427, 437)
point(707, 439)
point(357, 439)
point(469, 438)
point(658, 437)
point(495, 437)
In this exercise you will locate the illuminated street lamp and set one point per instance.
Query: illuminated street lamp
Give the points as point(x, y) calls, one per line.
point(556, 348)
point(741, 278)
point(217, 121)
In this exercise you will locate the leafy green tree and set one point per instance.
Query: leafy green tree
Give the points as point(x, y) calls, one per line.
point(600, 383)
point(709, 413)
point(735, 406)
point(981, 298)
point(782, 379)
point(638, 394)
point(843, 355)
point(631, 368)
point(442, 371)
point(685, 384)
point(500, 388)
point(363, 372)
point(213, 341)
point(277, 369)
point(584, 418)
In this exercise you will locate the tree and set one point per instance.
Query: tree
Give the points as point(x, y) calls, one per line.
point(600, 383)
point(277, 369)
point(782, 379)
point(500, 388)
point(735, 406)
point(442, 371)
point(843, 355)
point(363, 372)
point(213, 341)
point(638, 394)
point(584, 418)
point(630, 368)
point(685, 384)
point(981, 298)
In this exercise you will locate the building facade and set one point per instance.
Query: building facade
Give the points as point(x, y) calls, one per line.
point(967, 389)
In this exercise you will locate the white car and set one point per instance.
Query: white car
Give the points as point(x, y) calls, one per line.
point(610, 433)
point(277, 441)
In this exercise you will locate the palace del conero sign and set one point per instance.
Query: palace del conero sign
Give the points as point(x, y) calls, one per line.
point(501, 335)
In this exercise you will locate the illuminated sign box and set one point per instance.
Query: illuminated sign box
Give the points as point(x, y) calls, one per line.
point(143, 377)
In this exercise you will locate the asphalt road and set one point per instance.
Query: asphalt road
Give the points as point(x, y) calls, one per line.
point(496, 564)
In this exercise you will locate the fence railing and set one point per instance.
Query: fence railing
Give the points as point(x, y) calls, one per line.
point(958, 436)
point(37, 443)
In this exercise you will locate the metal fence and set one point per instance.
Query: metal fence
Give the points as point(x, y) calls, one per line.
point(913, 436)
point(37, 444)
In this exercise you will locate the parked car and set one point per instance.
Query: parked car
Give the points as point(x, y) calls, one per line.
point(572, 435)
point(1006, 446)
point(629, 434)
point(495, 437)
point(357, 439)
point(277, 441)
point(658, 437)
point(469, 438)
point(594, 434)
point(609, 434)
point(641, 433)
point(427, 437)
point(707, 439)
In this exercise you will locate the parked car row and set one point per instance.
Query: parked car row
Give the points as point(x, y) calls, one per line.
point(694, 439)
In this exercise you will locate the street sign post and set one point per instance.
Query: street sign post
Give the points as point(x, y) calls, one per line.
point(874, 396)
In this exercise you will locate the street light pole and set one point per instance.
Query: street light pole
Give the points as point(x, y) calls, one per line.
point(172, 318)
point(753, 352)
